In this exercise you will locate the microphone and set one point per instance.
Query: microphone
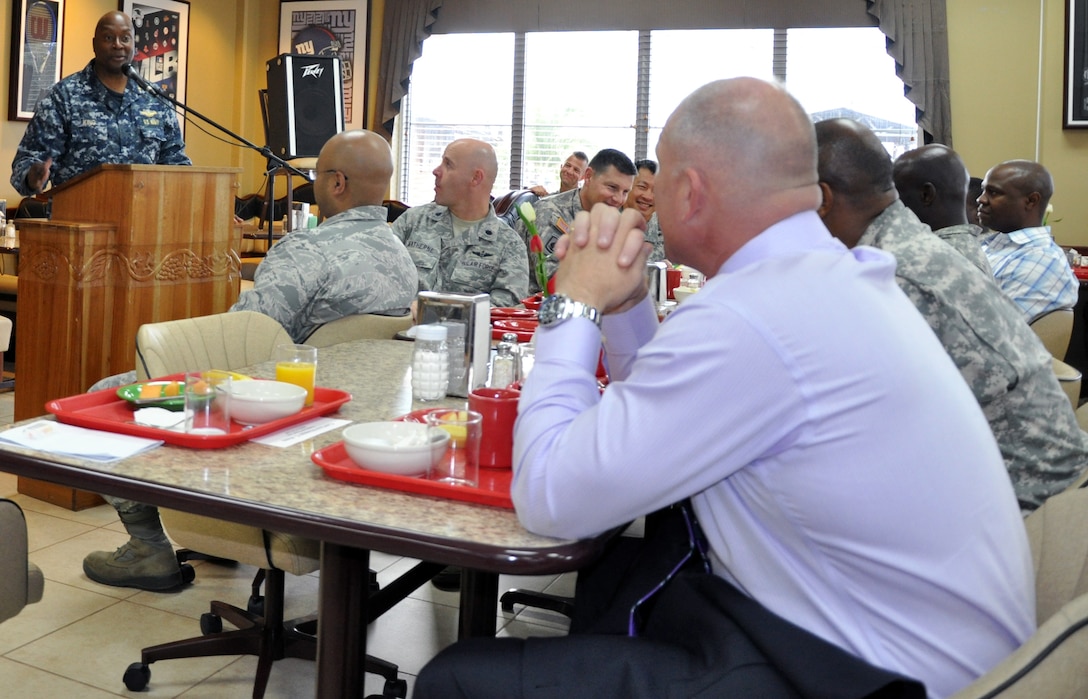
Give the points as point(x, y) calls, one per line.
point(133, 74)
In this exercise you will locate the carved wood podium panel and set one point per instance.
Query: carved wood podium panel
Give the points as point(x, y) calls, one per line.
point(125, 245)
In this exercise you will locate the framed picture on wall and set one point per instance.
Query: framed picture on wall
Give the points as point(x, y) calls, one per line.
point(37, 27)
point(1075, 103)
point(332, 28)
point(162, 44)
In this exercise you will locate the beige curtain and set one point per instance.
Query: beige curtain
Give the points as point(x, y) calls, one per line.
point(407, 23)
point(917, 32)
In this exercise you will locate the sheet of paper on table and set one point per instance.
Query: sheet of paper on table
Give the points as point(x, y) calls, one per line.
point(301, 432)
point(69, 440)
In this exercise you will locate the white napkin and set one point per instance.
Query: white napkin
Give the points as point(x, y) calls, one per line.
point(69, 440)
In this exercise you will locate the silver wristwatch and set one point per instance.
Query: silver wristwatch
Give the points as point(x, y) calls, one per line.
point(557, 308)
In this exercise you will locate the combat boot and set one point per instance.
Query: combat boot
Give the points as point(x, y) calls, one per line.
point(136, 564)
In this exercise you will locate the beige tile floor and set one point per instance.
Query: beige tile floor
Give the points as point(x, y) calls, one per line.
point(79, 639)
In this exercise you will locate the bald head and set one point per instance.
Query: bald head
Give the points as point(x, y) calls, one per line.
point(932, 182)
point(114, 18)
point(739, 150)
point(477, 155)
point(855, 177)
point(114, 47)
point(746, 126)
point(464, 178)
point(361, 165)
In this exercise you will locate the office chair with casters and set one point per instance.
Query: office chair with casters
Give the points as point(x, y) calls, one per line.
point(1054, 328)
point(1054, 661)
point(231, 341)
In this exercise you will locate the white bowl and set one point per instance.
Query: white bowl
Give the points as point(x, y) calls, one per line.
point(257, 402)
point(401, 448)
point(681, 293)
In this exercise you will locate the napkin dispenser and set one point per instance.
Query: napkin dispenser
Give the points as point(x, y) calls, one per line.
point(657, 279)
point(467, 316)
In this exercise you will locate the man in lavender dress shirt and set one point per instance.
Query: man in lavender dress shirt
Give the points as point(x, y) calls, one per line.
point(842, 471)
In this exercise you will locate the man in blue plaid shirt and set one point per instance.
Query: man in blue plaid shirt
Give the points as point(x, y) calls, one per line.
point(1028, 265)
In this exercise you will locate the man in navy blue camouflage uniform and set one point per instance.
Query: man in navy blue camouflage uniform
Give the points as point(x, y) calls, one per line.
point(97, 116)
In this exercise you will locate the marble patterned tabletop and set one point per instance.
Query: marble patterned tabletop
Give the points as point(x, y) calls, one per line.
point(377, 374)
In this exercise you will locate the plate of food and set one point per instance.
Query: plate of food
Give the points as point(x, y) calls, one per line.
point(162, 394)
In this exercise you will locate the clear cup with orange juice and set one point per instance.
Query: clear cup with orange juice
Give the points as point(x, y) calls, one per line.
point(297, 364)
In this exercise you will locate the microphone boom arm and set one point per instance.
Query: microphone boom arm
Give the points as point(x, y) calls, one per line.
point(132, 73)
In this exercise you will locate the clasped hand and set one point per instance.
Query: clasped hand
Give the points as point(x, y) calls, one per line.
point(603, 259)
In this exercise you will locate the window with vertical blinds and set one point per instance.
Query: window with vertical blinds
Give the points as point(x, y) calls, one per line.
point(542, 95)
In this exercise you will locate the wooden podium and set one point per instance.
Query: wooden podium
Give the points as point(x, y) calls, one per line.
point(125, 245)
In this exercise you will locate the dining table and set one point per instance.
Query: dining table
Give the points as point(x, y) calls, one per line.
point(283, 489)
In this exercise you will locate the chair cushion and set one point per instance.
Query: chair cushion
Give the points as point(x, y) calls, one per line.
point(221, 341)
point(1059, 549)
point(365, 326)
point(243, 543)
point(21, 582)
point(1050, 664)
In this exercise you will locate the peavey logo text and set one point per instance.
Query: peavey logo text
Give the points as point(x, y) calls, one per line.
point(313, 71)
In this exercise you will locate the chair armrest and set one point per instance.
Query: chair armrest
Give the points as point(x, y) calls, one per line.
point(20, 582)
point(1052, 663)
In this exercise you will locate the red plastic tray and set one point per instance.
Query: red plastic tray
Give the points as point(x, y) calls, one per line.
point(523, 328)
point(104, 410)
point(494, 488)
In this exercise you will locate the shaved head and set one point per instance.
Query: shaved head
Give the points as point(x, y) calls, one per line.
point(1014, 195)
point(750, 126)
point(477, 154)
point(855, 178)
point(932, 182)
point(735, 157)
point(365, 161)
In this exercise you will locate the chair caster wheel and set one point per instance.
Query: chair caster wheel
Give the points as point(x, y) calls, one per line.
point(210, 623)
point(137, 677)
point(187, 574)
point(255, 605)
point(395, 688)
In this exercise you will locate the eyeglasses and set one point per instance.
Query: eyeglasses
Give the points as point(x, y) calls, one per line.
point(340, 171)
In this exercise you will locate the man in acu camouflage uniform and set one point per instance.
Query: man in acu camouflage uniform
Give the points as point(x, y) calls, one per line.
point(570, 174)
point(97, 116)
point(457, 242)
point(352, 263)
point(608, 179)
point(1003, 361)
point(932, 182)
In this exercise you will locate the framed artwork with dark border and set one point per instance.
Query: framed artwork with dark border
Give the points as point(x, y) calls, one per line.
point(37, 29)
point(162, 44)
point(1075, 102)
point(332, 28)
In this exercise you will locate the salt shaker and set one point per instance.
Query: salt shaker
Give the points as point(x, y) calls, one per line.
point(504, 366)
point(430, 363)
point(455, 343)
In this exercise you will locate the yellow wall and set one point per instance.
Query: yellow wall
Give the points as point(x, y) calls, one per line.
point(998, 112)
point(229, 44)
point(994, 63)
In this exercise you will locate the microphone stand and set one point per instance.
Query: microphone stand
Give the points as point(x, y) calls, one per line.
point(281, 164)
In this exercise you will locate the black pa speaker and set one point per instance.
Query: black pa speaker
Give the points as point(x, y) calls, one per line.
point(305, 104)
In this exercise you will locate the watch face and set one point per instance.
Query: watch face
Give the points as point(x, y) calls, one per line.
point(549, 309)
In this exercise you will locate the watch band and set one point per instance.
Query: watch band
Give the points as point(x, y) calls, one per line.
point(557, 308)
